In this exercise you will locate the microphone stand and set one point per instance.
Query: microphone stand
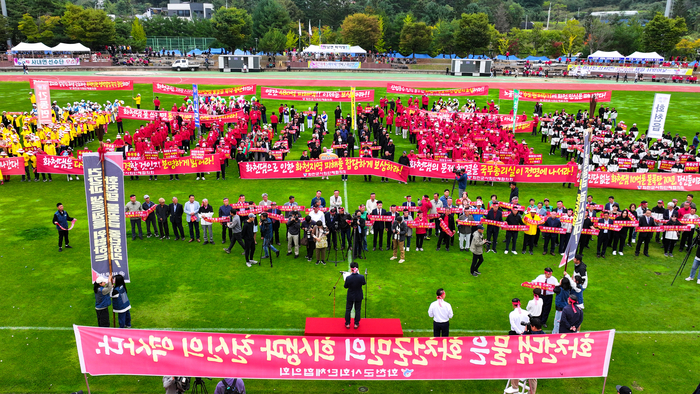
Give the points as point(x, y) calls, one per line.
point(333, 291)
point(367, 300)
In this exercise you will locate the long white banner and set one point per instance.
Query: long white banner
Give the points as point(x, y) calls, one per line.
point(334, 65)
point(583, 69)
point(658, 115)
point(48, 62)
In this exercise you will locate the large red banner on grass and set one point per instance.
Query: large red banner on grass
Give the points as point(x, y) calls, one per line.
point(12, 166)
point(245, 90)
point(645, 181)
point(470, 91)
point(582, 97)
point(113, 351)
point(177, 165)
point(309, 95)
point(316, 168)
point(496, 172)
point(87, 85)
point(150, 115)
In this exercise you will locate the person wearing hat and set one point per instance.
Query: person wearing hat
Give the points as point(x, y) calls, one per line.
point(134, 206)
point(531, 221)
point(571, 316)
point(477, 249)
point(102, 287)
point(151, 218)
point(61, 219)
point(137, 99)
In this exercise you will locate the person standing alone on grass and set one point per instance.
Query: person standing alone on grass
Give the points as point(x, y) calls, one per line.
point(61, 219)
point(134, 206)
point(354, 283)
point(477, 249)
point(441, 312)
point(398, 237)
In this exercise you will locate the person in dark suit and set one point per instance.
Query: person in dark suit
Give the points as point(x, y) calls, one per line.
point(354, 283)
point(644, 237)
point(604, 235)
point(379, 227)
point(162, 214)
point(248, 235)
point(176, 211)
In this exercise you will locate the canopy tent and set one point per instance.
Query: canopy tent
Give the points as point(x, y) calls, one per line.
point(62, 47)
point(614, 55)
point(646, 56)
point(537, 58)
point(27, 47)
point(504, 57)
point(334, 48)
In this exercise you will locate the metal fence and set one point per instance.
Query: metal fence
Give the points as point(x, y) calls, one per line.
point(182, 44)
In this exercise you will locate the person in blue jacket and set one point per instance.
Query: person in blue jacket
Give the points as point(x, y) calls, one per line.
point(120, 302)
point(102, 288)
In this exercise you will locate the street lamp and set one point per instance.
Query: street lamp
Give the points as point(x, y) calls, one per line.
point(256, 45)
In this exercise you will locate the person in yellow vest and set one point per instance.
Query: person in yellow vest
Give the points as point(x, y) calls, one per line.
point(49, 149)
point(137, 99)
point(31, 155)
point(3, 155)
point(32, 98)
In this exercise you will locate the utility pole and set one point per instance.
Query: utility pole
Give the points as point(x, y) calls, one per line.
point(4, 13)
point(525, 21)
point(548, 14)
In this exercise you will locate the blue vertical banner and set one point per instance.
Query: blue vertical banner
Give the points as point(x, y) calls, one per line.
point(581, 202)
point(516, 97)
point(195, 99)
point(104, 192)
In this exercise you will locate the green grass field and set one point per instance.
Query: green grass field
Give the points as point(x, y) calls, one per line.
point(191, 286)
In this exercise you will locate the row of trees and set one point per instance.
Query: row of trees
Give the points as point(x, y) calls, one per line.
point(271, 25)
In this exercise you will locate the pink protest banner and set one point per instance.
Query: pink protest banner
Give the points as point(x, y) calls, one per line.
point(582, 97)
point(496, 172)
point(113, 351)
point(170, 89)
point(316, 168)
point(86, 85)
point(645, 181)
point(150, 115)
point(43, 102)
point(12, 166)
point(482, 90)
point(178, 165)
point(309, 95)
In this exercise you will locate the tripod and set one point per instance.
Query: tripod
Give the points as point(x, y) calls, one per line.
point(333, 291)
point(198, 386)
point(693, 244)
point(269, 250)
point(342, 254)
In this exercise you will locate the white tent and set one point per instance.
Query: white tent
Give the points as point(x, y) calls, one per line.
point(70, 48)
point(614, 55)
point(27, 47)
point(652, 56)
point(357, 49)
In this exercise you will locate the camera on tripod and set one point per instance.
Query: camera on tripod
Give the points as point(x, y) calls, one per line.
point(458, 171)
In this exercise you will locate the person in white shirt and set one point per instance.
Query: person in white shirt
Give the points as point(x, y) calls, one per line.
point(192, 212)
point(441, 312)
point(318, 216)
point(548, 295)
point(517, 317)
point(371, 205)
point(336, 201)
point(534, 306)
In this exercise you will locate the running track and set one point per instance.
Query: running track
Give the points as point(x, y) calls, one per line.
point(372, 80)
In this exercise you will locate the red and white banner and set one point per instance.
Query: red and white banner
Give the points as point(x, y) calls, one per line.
point(482, 90)
point(316, 168)
point(86, 85)
point(645, 181)
point(177, 165)
point(310, 95)
point(496, 172)
point(582, 97)
point(245, 90)
point(12, 166)
point(150, 115)
point(113, 351)
point(43, 102)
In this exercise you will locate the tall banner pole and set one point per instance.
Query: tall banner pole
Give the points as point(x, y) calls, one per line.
point(195, 98)
point(572, 246)
point(516, 97)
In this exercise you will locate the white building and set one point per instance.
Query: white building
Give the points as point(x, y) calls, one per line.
point(189, 11)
